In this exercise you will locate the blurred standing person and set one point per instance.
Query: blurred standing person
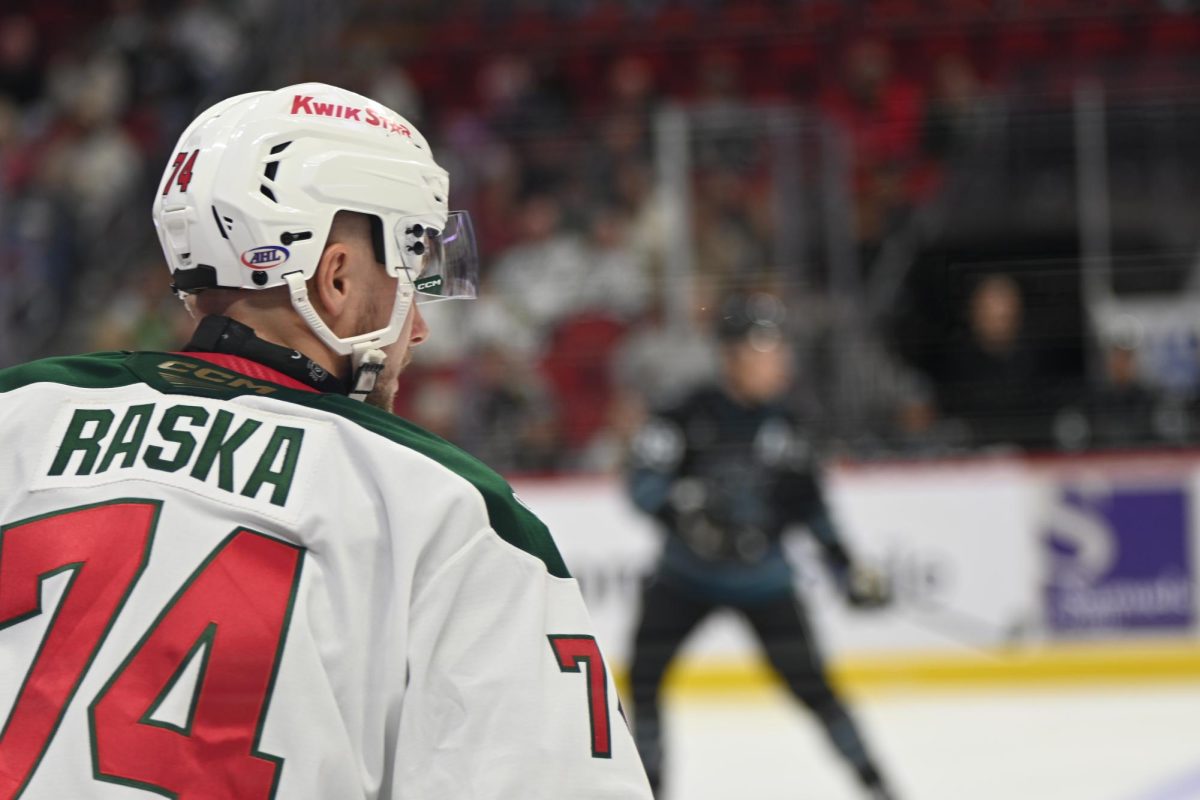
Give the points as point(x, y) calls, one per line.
point(727, 472)
point(995, 380)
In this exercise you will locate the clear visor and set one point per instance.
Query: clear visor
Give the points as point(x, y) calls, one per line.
point(444, 263)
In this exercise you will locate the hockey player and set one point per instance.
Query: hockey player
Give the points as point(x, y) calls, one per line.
point(726, 472)
point(224, 578)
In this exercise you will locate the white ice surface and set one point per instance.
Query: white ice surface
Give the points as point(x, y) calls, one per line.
point(1137, 742)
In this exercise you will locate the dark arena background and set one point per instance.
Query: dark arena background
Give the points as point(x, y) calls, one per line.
point(976, 222)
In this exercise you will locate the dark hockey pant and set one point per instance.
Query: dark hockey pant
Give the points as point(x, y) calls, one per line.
point(669, 614)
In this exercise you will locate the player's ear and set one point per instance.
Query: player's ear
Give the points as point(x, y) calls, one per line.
point(330, 285)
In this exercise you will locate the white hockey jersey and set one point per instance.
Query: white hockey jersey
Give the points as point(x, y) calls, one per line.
point(217, 584)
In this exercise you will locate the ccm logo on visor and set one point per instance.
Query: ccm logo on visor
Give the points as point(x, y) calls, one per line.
point(265, 257)
point(432, 285)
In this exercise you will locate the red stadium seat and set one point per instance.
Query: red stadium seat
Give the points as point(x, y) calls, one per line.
point(456, 33)
point(821, 17)
point(891, 15)
point(796, 68)
point(1018, 45)
point(675, 22)
point(1173, 34)
point(577, 367)
point(965, 11)
point(532, 29)
point(932, 47)
point(605, 22)
point(749, 18)
point(1056, 9)
point(431, 74)
point(1097, 39)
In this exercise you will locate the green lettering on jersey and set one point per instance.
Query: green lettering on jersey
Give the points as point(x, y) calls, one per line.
point(283, 437)
point(125, 443)
point(515, 524)
point(186, 441)
point(216, 445)
point(77, 441)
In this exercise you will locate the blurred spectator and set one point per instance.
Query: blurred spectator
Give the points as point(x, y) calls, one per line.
point(732, 235)
point(616, 280)
point(607, 451)
point(956, 115)
point(393, 87)
point(512, 420)
point(553, 151)
point(86, 111)
point(728, 250)
point(622, 152)
point(22, 73)
point(623, 139)
point(554, 273)
point(536, 280)
point(207, 36)
point(164, 88)
point(437, 405)
point(1123, 412)
point(660, 362)
point(723, 140)
point(129, 28)
point(525, 104)
point(881, 115)
point(371, 70)
point(92, 161)
point(632, 87)
point(872, 401)
point(994, 378)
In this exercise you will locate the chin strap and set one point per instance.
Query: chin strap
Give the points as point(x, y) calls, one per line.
point(370, 364)
point(366, 349)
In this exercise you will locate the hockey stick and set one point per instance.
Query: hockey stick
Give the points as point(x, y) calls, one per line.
point(964, 628)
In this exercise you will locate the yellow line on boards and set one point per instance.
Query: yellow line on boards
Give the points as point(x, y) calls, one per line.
point(1059, 664)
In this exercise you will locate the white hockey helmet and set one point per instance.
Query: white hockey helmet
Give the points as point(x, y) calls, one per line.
point(250, 193)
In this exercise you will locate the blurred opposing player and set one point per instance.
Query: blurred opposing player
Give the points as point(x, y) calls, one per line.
point(223, 577)
point(726, 472)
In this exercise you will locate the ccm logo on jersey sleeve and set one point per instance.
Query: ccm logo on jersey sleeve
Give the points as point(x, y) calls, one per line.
point(183, 444)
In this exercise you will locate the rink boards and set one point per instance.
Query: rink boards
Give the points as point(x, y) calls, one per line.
point(1004, 569)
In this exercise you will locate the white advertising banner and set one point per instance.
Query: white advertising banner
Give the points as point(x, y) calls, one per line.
point(980, 553)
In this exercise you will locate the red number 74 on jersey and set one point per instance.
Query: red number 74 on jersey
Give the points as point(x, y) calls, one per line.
point(242, 631)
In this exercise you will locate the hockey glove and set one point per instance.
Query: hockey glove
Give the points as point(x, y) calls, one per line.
point(866, 588)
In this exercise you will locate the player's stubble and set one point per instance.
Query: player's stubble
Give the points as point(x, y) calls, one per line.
point(399, 354)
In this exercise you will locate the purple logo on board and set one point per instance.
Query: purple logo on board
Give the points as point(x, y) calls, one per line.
point(1118, 557)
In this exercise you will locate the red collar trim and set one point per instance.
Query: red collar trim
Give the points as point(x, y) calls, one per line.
point(251, 369)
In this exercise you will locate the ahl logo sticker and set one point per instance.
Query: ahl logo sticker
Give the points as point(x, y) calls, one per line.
point(265, 257)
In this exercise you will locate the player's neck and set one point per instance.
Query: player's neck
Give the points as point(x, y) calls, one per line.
point(293, 333)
